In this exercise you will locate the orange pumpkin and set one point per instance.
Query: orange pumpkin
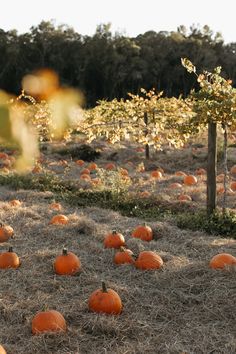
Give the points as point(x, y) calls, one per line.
point(92, 166)
point(6, 231)
point(114, 240)
point(67, 263)
point(180, 173)
point(124, 172)
point(80, 162)
point(123, 256)
point(145, 194)
point(9, 259)
point(233, 170)
point(222, 260)
point(15, 202)
point(200, 171)
point(190, 180)
point(110, 166)
point(85, 171)
point(48, 321)
point(59, 219)
point(148, 260)
point(156, 174)
point(105, 301)
point(55, 206)
point(2, 350)
point(233, 186)
point(144, 232)
point(175, 185)
point(85, 177)
point(184, 197)
point(3, 155)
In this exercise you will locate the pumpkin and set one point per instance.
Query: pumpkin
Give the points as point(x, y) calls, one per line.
point(2, 350)
point(6, 231)
point(110, 166)
point(144, 232)
point(85, 171)
point(190, 180)
point(200, 171)
point(3, 155)
point(148, 260)
point(55, 206)
point(123, 256)
point(175, 185)
point(92, 166)
point(80, 162)
point(67, 263)
point(233, 186)
point(156, 174)
point(15, 202)
point(48, 321)
point(59, 219)
point(180, 173)
point(105, 301)
point(114, 240)
point(85, 177)
point(145, 194)
point(233, 170)
point(124, 172)
point(184, 197)
point(9, 259)
point(219, 261)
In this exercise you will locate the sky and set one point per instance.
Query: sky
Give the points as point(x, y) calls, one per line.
point(131, 17)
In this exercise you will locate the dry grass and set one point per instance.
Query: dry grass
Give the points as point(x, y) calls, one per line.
point(183, 308)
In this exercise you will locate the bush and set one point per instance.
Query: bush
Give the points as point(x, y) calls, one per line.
point(216, 224)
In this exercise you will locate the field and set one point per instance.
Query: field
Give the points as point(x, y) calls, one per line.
point(183, 308)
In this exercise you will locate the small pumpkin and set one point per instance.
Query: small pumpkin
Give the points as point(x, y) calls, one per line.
point(59, 219)
point(92, 166)
point(233, 186)
point(80, 162)
point(110, 166)
point(233, 170)
point(2, 350)
point(85, 171)
point(148, 260)
point(48, 321)
point(180, 173)
point(123, 256)
point(9, 259)
point(144, 232)
point(156, 174)
point(15, 202)
point(55, 206)
point(222, 260)
point(67, 263)
point(184, 197)
point(175, 185)
point(6, 231)
point(190, 180)
point(105, 301)
point(114, 240)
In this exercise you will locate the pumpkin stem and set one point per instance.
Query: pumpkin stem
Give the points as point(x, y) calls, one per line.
point(64, 251)
point(10, 249)
point(114, 232)
point(104, 288)
point(122, 249)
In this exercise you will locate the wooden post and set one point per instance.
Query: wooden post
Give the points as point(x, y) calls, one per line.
point(147, 151)
point(211, 167)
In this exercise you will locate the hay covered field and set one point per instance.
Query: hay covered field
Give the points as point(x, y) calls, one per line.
point(183, 308)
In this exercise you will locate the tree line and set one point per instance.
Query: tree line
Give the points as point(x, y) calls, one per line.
point(106, 65)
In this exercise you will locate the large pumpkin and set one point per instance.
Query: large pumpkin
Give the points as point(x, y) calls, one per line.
point(190, 180)
point(9, 259)
point(114, 240)
point(48, 321)
point(144, 232)
point(148, 260)
point(222, 260)
point(67, 263)
point(105, 301)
